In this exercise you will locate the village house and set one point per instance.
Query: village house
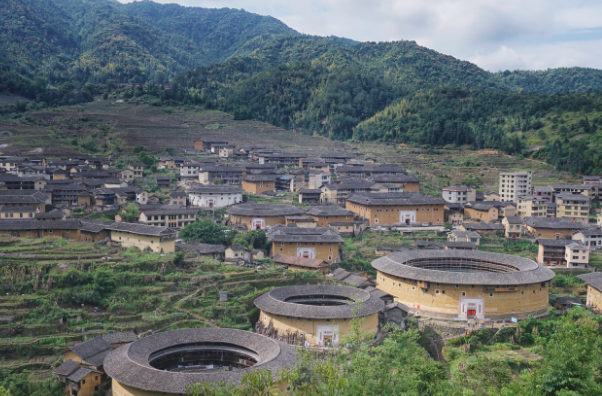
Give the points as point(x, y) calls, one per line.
point(460, 245)
point(210, 145)
point(17, 212)
point(324, 215)
point(237, 254)
point(127, 175)
point(574, 207)
point(289, 159)
point(464, 236)
point(137, 168)
point(297, 263)
point(177, 198)
point(458, 194)
point(258, 184)
point(481, 210)
point(513, 184)
point(482, 228)
point(255, 216)
point(552, 228)
point(370, 171)
point(454, 213)
point(300, 221)
point(222, 174)
point(337, 192)
point(163, 182)
point(410, 183)
point(213, 251)
point(168, 216)
point(531, 206)
point(309, 196)
point(315, 243)
point(22, 228)
point(33, 198)
point(592, 180)
point(562, 252)
point(582, 189)
point(54, 214)
point(594, 290)
point(490, 196)
point(544, 192)
point(590, 237)
point(210, 197)
point(142, 236)
point(513, 226)
point(226, 151)
point(397, 208)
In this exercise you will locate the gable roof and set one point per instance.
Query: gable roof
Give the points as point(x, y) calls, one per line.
point(22, 196)
point(221, 189)
point(403, 198)
point(203, 248)
point(66, 368)
point(93, 351)
point(514, 220)
point(141, 229)
point(329, 210)
point(554, 223)
point(257, 209)
point(299, 261)
point(593, 279)
point(301, 234)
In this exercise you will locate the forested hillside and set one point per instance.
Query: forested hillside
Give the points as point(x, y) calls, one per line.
point(98, 40)
point(561, 80)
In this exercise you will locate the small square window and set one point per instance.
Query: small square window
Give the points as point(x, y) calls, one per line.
point(463, 294)
point(437, 291)
point(490, 294)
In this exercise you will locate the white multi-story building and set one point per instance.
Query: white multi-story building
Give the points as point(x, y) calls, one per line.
point(513, 184)
point(209, 197)
point(459, 194)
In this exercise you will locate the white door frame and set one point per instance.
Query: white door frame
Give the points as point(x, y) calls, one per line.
point(476, 303)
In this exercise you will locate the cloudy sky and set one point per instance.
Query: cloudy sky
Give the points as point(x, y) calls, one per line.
point(496, 35)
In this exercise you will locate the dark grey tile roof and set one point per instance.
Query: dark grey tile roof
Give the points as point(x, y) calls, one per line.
point(355, 280)
point(554, 222)
point(591, 231)
point(349, 184)
point(93, 351)
point(142, 229)
point(259, 178)
point(178, 194)
point(17, 209)
point(483, 205)
point(66, 368)
point(573, 197)
point(53, 214)
point(22, 196)
point(457, 188)
point(80, 374)
point(407, 264)
point(203, 248)
point(571, 186)
point(22, 224)
point(429, 245)
point(299, 261)
point(129, 364)
point(302, 234)
point(547, 189)
point(256, 209)
point(568, 299)
point(460, 245)
point(310, 191)
point(222, 189)
point(394, 199)
point(465, 234)
point(170, 211)
point(483, 227)
point(119, 337)
point(395, 179)
point(514, 220)
point(554, 242)
point(593, 279)
point(329, 210)
point(277, 302)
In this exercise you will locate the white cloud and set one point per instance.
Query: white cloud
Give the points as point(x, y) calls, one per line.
point(496, 35)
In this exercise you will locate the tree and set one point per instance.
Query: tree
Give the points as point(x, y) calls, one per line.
point(170, 151)
point(104, 281)
point(207, 232)
point(179, 258)
point(131, 212)
point(138, 148)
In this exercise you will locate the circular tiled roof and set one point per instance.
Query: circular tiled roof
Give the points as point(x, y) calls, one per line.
point(256, 209)
point(468, 267)
point(282, 301)
point(129, 364)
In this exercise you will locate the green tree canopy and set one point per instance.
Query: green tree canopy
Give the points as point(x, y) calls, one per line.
point(207, 232)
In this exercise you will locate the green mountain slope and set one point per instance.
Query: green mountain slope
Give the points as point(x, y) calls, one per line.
point(323, 85)
point(97, 40)
point(561, 80)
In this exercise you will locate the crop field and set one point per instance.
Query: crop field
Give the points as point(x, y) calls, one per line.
point(115, 129)
point(56, 293)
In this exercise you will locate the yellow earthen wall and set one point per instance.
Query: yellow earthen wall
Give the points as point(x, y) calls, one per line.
point(594, 298)
point(323, 250)
point(309, 326)
point(527, 299)
point(143, 241)
point(257, 187)
point(390, 214)
point(270, 221)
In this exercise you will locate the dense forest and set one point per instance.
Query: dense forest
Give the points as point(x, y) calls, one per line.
point(56, 52)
